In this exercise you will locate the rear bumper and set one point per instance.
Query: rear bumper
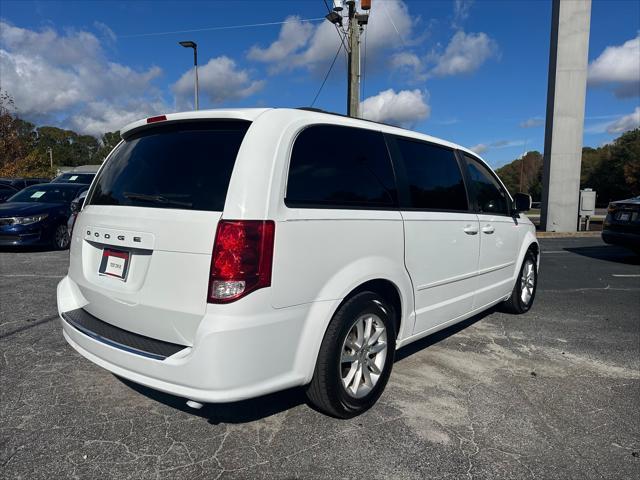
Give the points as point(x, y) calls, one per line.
point(624, 239)
point(238, 353)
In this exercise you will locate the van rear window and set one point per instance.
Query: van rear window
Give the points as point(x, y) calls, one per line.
point(180, 166)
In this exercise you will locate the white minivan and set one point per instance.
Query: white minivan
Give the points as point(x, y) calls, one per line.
point(225, 254)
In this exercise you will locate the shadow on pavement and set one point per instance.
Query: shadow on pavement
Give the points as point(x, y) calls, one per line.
point(234, 412)
point(609, 253)
point(257, 408)
point(441, 335)
point(27, 249)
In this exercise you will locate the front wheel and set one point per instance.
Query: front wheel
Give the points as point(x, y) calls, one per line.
point(355, 358)
point(524, 291)
point(61, 238)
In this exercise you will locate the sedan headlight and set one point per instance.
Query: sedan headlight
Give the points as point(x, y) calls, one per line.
point(30, 220)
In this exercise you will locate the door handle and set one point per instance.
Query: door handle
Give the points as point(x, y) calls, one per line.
point(471, 230)
point(488, 229)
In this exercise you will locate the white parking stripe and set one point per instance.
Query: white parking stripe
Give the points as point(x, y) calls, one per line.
point(626, 275)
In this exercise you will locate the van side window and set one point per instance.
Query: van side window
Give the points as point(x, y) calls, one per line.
point(433, 176)
point(490, 196)
point(335, 166)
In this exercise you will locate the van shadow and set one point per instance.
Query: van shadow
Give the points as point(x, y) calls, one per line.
point(262, 407)
point(609, 253)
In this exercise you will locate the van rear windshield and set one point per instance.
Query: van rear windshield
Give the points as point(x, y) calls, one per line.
point(180, 166)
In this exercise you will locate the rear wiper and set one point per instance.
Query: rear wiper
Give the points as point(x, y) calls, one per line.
point(155, 199)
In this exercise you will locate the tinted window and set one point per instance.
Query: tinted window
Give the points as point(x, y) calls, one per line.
point(433, 176)
point(47, 193)
point(183, 166)
point(340, 167)
point(489, 195)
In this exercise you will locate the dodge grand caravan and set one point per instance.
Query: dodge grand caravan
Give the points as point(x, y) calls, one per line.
point(226, 254)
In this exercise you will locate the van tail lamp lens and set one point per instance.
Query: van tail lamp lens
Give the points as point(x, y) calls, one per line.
point(159, 118)
point(242, 259)
point(611, 208)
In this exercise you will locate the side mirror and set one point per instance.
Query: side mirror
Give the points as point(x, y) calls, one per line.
point(522, 202)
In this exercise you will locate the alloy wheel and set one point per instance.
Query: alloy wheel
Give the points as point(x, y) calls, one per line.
point(527, 282)
point(363, 355)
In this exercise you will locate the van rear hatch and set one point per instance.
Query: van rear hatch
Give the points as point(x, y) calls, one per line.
point(149, 223)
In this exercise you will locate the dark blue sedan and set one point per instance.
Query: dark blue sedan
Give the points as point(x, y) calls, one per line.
point(38, 215)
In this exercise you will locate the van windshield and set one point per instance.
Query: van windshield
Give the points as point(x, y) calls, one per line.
point(182, 165)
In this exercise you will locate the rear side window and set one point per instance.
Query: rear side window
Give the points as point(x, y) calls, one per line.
point(342, 167)
point(181, 166)
point(490, 196)
point(433, 176)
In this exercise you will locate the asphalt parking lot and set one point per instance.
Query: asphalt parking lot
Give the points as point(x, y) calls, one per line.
point(553, 394)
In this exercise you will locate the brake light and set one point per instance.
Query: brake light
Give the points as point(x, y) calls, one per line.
point(159, 118)
point(241, 260)
point(611, 208)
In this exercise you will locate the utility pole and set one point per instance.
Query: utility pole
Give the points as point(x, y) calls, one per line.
point(353, 74)
point(50, 152)
point(356, 23)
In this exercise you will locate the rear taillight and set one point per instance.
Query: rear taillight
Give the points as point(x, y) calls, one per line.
point(241, 260)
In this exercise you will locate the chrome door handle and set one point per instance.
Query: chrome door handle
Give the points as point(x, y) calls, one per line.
point(488, 229)
point(471, 230)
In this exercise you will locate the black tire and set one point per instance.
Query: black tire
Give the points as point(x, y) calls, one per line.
point(326, 391)
point(515, 303)
point(60, 239)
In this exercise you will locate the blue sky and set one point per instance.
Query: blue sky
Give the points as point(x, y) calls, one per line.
point(471, 72)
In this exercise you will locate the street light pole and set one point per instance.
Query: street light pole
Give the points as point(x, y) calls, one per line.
point(190, 44)
point(50, 152)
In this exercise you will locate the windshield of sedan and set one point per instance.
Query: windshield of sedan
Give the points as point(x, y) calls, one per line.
point(45, 194)
point(85, 178)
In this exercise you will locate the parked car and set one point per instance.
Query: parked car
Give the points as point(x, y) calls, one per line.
point(6, 191)
point(223, 255)
point(622, 224)
point(76, 206)
point(21, 183)
point(37, 215)
point(71, 177)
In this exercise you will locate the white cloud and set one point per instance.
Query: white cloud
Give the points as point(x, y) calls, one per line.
point(498, 144)
point(625, 123)
point(219, 79)
point(532, 122)
point(461, 9)
point(293, 36)
point(618, 66)
point(404, 108)
point(301, 45)
point(479, 148)
point(50, 76)
point(95, 118)
point(464, 54)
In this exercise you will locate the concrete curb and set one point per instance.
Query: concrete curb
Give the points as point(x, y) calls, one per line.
point(567, 234)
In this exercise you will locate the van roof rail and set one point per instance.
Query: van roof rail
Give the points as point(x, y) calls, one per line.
point(319, 110)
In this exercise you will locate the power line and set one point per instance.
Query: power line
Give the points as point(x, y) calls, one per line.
point(226, 27)
point(327, 74)
point(341, 37)
point(386, 11)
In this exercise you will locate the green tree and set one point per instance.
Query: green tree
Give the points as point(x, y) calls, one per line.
point(108, 142)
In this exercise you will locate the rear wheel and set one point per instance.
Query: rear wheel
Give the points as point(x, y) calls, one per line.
point(61, 239)
point(355, 358)
point(524, 291)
